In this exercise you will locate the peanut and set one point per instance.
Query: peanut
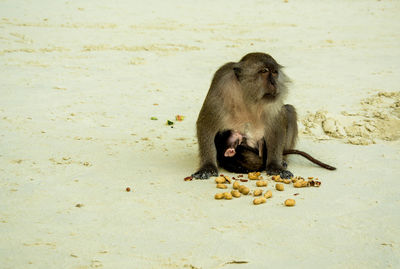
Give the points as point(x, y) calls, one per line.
point(220, 180)
point(276, 178)
point(254, 175)
point(297, 184)
point(228, 179)
point(227, 196)
point(244, 190)
point(261, 183)
point(235, 193)
point(258, 201)
point(236, 185)
point(221, 186)
point(257, 192)
point(268, 194)
point(279, 187)
point(219, 196)
point(290, 202)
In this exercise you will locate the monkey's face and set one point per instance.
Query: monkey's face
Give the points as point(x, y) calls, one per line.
point(266, 78)
point(259, 75)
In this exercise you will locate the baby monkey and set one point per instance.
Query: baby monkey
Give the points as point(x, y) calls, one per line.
point(236, 155)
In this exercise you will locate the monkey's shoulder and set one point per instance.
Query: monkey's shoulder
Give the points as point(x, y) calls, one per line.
point(227, 66)
point(226, 69)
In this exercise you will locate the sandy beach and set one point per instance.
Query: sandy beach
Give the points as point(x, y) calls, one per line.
point(86, 90)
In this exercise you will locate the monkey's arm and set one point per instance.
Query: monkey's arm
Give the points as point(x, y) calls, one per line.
point(208, 155)
point(207, 128)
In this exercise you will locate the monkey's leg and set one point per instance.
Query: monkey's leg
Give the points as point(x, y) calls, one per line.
point(208, 155)
point(276, 138)
point(291, 130)
point(291, 127)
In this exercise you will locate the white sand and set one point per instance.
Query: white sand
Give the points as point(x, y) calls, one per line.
point(78, 85)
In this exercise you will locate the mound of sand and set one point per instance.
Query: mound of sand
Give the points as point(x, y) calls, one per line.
point(377, 118)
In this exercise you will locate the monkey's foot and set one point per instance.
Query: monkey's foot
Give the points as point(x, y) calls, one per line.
point(283, 173)
point(273, 170)
point(206, 171)
point(286, 174)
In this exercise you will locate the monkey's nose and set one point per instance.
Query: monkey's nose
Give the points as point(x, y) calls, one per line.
point(272, 91)
point(271, 94)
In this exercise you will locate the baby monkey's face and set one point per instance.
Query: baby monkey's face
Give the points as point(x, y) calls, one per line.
point(233, 141)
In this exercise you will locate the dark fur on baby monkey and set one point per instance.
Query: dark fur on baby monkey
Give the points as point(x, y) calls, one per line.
point(247, 96)
point(235, 155)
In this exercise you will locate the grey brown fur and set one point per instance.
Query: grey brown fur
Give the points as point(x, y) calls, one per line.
point(247, 97)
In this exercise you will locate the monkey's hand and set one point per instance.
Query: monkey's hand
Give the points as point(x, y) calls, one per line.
point(206, 171)
point(278, 170)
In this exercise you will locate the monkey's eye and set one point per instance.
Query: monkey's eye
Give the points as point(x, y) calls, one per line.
point(275, 73)
point(264, 70)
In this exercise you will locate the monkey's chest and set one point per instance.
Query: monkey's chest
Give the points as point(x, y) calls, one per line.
point(252, 131)
point(253, 134)
point(250, 123)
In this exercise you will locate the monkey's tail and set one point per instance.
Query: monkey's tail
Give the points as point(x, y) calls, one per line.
point(309, 157)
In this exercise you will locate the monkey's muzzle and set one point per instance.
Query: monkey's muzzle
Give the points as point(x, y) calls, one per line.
point(271, 95)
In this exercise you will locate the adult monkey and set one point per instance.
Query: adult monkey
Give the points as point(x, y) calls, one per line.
point(248, 97)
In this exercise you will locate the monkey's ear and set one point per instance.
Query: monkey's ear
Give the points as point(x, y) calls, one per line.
point(238, 71)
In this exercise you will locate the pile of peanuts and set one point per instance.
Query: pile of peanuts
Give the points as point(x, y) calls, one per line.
point(298, 182)
point(238, 190)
